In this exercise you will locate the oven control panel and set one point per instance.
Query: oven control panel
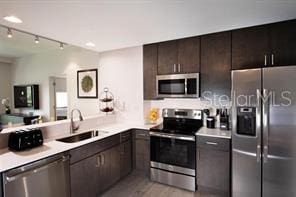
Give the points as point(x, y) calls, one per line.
point(182, 113)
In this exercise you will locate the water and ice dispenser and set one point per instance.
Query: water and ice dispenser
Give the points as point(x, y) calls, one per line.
point(246, 121)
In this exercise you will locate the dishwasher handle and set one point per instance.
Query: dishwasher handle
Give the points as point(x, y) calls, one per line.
point(32, 169)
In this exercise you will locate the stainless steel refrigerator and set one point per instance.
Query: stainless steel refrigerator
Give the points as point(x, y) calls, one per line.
point(264, 132)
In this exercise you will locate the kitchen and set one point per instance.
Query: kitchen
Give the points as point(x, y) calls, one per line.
point(191, 115)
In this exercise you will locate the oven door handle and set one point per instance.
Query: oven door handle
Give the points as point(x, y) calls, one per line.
point(178, 137)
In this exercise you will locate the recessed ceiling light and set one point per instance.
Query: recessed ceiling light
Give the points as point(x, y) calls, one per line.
point(90, 44)
point(12, 19)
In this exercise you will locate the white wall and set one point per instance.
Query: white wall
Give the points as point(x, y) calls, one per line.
point(37, 69)
point(5, 72)
point(122, 72)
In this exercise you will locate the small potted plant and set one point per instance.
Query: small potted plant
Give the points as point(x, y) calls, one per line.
point(5, 102)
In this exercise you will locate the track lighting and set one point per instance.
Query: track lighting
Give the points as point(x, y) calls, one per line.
point(61, 46)
point(36, 39)
point(9, 33)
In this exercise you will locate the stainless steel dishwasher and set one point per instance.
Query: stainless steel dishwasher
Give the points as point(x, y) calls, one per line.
point(47, 178)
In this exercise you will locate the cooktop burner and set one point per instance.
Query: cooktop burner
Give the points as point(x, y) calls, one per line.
point(180, 121)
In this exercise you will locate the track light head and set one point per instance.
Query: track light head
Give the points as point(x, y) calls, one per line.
point(9, 33)
point(61, 46)
point(36, 39)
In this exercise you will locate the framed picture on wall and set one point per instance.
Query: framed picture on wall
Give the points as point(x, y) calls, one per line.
point(87, 83)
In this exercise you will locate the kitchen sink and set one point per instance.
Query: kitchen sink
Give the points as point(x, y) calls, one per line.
point(81, 136)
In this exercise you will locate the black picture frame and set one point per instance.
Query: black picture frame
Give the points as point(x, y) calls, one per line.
point(82, 95)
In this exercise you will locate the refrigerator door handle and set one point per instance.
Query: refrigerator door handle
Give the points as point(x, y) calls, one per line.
point(258, 153)
point(265, 121)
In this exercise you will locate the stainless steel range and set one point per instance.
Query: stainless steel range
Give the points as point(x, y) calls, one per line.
point(172, 148)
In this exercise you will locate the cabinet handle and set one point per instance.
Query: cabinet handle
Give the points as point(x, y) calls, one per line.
point(272, 59)
point(212, 143)
point(198, 154)
point(99, 161)
point(179, 68)
point(103, 159)
point(174, 68)
point(265, 60)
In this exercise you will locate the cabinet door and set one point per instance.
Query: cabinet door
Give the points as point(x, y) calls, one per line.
point(109, 170)
point(141, 149)
point(167, 57)
point(84, 176)
point(150, 70)
point(126, 158)
point(283, 42)
point(216, 65)
point(249, 47)
point(213, 171)
point(189, 55)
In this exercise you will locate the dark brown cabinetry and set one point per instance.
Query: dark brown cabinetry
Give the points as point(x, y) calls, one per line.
point(189, 55)
point(283, 43)
point(213, 165)
point(179, 56)
point(84, 178)
point(95, 167)
point(108, 168)
point(141, 151)
point(266, 45)
point(215, 69)
point(150, 70)
point(250, 47)
point(126, 153)
point(167, 57)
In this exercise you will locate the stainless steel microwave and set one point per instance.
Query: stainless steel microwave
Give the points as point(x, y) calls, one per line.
point(177, 86)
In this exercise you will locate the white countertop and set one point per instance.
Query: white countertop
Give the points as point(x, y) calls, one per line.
point(216, 132)
point(10, 159)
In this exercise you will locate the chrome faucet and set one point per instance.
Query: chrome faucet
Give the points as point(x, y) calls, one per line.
point(74, 128)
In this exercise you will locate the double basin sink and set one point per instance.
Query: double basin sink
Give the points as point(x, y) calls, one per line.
point(82, 136)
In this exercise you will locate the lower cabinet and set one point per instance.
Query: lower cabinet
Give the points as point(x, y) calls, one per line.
point(108, 168)
point(93, 175)
point(213, 165)
point(84, 178)
point(125, 158)
point(141, 151)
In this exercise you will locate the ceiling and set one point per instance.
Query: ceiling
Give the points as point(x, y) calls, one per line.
point(113, 24)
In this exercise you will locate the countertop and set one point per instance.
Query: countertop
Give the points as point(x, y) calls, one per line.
point(10, 159)
point(216, 132)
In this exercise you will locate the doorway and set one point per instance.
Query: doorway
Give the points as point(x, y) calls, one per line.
point(59, 98)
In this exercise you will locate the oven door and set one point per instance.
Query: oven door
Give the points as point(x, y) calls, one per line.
point(175, 154)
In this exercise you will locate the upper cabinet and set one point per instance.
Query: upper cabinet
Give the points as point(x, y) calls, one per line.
point(215, 64)
point(150, 70)
point(250, 47)
point(266, 45)
point(283, 43)
point(167, 57)
point(179, 56)
point(189, 55)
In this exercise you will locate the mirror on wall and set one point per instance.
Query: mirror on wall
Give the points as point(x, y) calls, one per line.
point(37, 77)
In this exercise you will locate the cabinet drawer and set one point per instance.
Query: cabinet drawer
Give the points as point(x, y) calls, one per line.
point(142, 134)
point(214, 143)
point(125, 136)
point(93, 148)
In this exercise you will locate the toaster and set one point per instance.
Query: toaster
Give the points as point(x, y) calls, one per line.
point(25, 139)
